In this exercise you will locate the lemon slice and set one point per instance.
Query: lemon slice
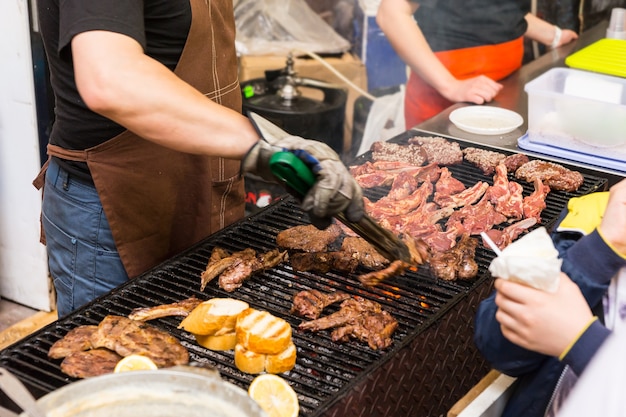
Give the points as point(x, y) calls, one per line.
point(274, 395)
point(134, 363)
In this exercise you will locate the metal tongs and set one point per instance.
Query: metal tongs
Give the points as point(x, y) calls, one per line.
point(19, 394)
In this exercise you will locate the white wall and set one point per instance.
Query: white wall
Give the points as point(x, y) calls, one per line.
point(23, 265)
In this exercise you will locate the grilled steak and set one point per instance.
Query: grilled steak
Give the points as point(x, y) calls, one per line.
point(219, 261)
point(387, 151)
point(323, 261)
point(457, 262)
point(310, 303)
point(308, 238)
point(90, 363)
point(76, 340)
point(556, 176)
point(244, 266)
point(439, 150)
point(180, 308)
point(127, 337)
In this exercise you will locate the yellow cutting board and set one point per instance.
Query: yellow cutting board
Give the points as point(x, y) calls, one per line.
point(607, 56)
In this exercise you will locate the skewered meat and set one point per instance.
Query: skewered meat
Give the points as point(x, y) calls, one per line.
point(127, 337)
point(76, 340)
point(180, 308)
point(458, 262)
point(438, 150)
point(89, 363)
point(556, 176)
point(357, 318)
point(310, 303)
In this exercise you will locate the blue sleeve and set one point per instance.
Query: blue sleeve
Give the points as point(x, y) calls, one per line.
point(586, 347)
point(589, 262)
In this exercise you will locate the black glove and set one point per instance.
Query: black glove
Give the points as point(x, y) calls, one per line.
point(335, 190)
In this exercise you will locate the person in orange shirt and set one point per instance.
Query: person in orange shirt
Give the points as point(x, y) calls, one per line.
point(457, 50)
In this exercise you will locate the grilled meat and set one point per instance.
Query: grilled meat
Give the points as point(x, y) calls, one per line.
point(375, 277)
point(388, 151)
point(76, 340)
point(219, 261)
point(556, 176)
point(127, 337)
point(357, 318)
point(310, 303)
point(503, 238)
point(308, 238)
point(323, 261)
point(180, 308)
point(89, 363)
point(246, 265)
point(439, 150)
point(457, 262)
point(365, 254)
point(534, 204)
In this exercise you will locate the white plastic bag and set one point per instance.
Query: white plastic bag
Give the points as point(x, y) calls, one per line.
point(384, 120)
point(277, 27)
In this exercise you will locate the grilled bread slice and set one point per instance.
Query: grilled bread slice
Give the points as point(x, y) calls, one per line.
point(281, 362)
point(217, 341)
point(217, 316)
point(248, 361)
point(262, 332)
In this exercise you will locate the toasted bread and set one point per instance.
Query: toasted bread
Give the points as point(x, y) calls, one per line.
point(248, 361)
point(215, 316)
point(218, 342)
point(261, 332)
point(281, 362)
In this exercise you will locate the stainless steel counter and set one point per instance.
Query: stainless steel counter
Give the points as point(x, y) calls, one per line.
point(513, 97)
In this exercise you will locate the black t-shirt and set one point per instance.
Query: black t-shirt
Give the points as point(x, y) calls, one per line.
point(455, 24)
point(160, 26)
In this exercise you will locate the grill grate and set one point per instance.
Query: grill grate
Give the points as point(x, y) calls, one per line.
point(326, 373)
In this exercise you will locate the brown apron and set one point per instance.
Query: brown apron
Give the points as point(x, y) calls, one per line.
point(158, 201)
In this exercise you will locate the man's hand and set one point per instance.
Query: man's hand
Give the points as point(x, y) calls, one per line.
point(335, 190)
point(541, 321)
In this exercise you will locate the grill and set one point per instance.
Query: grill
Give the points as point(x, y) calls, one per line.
point(431, 363)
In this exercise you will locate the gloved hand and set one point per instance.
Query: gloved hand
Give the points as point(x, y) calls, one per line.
point(335, 190)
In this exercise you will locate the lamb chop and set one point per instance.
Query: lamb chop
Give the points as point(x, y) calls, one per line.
point(359, 318)
point(534, 204)
point(90, 363)
point(127, 337)
point(218, 262)
point(76, 340)
point(503, 238)
point(180, 308)
point(244, 266)
point(310, 303)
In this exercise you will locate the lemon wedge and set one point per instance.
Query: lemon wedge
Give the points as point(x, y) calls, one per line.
point(134, 363)
point(274, 395)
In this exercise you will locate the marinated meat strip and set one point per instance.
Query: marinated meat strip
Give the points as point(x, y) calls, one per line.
point(219, 261)
point(308, 238)
point(180, 308)
point(535, 203)
point(244, 266)
point(387, 151)
point(439, 150)
point(503, 238)
point(359, 318)
point(484, 159)
point(456, 263)
point(90, 363)
point(127, 337)
point(556, 176)
point(505, 195)
point(76, 340)
point(311, 303)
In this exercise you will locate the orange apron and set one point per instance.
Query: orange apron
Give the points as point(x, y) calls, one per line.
point(495, 61)
point(158, 201)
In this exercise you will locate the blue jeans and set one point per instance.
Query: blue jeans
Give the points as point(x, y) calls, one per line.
point(82, 256)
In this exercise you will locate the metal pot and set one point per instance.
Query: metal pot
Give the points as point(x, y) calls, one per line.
point(172, 392)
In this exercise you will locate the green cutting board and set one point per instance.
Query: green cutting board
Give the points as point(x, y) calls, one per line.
point(607, 56)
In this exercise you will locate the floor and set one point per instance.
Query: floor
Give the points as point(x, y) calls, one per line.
point(12, 313)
